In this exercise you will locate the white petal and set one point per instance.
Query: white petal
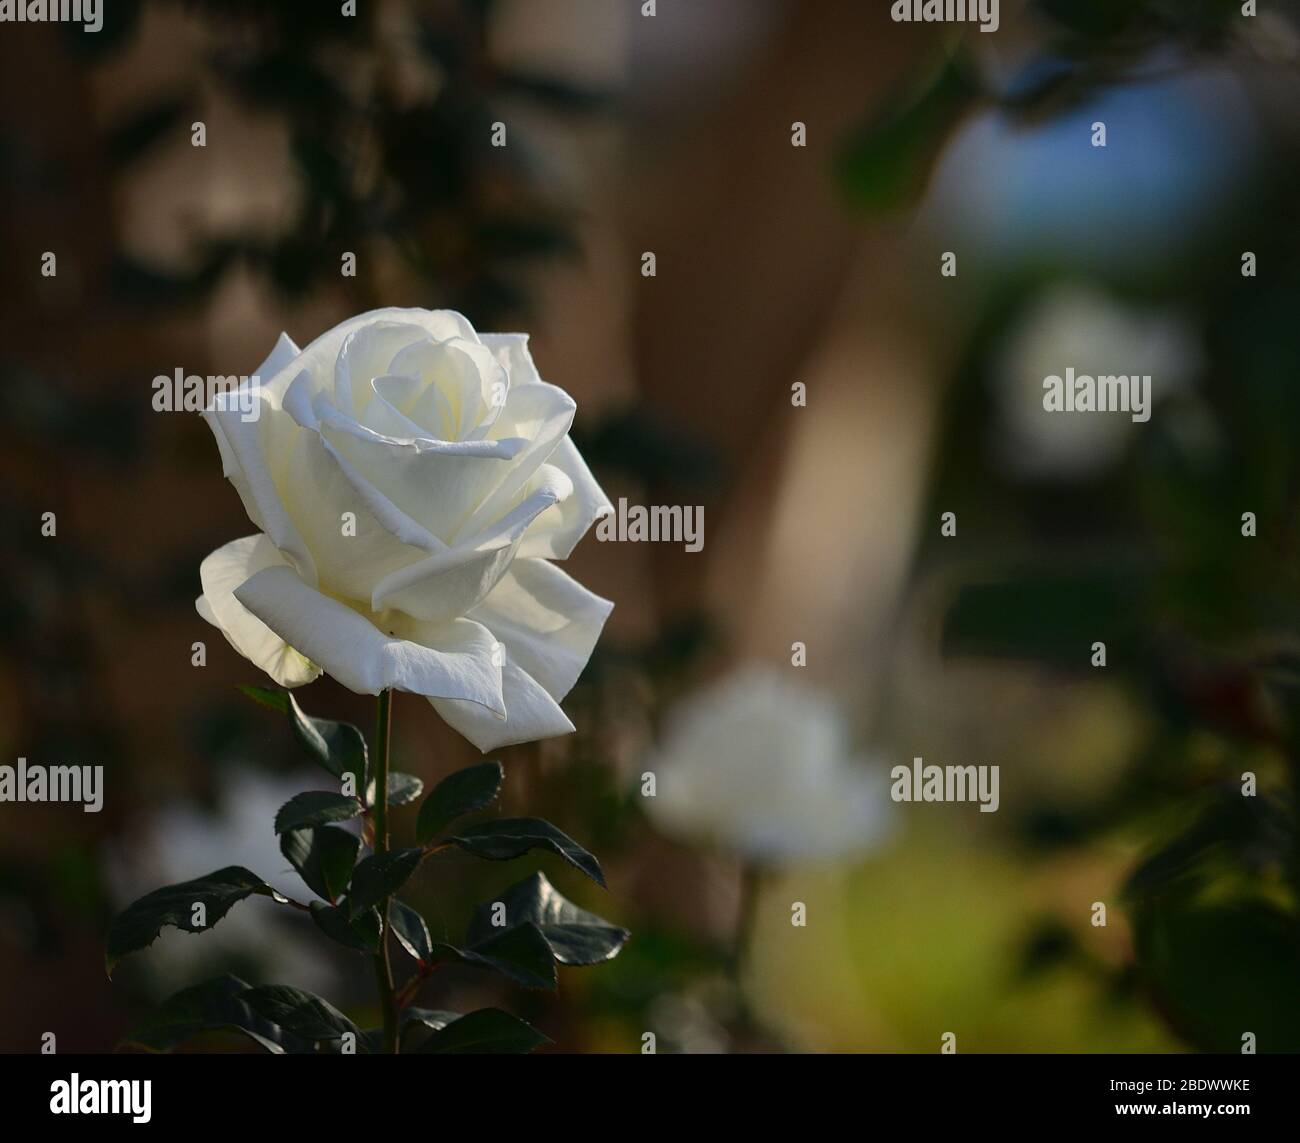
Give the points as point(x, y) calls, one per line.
point(221, 573)
point(538, 414)
point(456, 663)
point(320, 485)
point(459, 376)
point(280, 356)
point(548, 622)
point(244, 445)
point(452, 582)
point(556, 532)
point(442, 324)
point(530, 713)
point(511, 349)
point(320, 357)
point(365, 354)
point(437, 483)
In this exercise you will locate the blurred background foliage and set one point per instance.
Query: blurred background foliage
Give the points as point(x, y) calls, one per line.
point(1149, 554)
point(371, 134)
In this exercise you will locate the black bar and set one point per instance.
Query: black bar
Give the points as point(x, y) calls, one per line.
point(243, 1092)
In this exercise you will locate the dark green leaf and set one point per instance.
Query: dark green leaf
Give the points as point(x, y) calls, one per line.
point(268, 697)
point(300, 1012)
point(323, 857)
point(486, 1031)
point(417, 1023)
point(410, 930)
point(337, 746)
point(1222, 969)
point(460, 793)
point(213, 1006)
point(380, 875)
point(575, 936)
point(506, 838)
point(139, 924)
point(403, 788)
point(520, 953)
point(360, 932)
point(315, 807)
point(430, 1017)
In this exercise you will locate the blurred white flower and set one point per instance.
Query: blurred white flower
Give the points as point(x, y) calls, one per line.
point(185, 841)
point(761, 766)
point(686, 1025)
point(1074, 325)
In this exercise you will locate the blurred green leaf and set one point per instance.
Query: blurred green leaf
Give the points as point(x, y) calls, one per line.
point(144, 286)
point(1095, 19)
point(885, 164)
point(1222, 970)
point(1232, 834)
point(147, 126)
point(1047, 615)
point(639, 442)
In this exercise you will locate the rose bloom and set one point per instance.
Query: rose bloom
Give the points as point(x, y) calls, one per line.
point(760, 766)
point(1076, 325)
point(411, 482)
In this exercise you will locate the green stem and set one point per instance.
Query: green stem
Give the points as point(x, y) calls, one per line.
point(383, 968)
point(1293, 774)
point(745, 1030)
point(751, 880)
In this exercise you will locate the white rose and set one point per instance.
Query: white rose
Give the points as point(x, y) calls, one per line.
point(453, 457)
point(761, 766)
point(1074, 325)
